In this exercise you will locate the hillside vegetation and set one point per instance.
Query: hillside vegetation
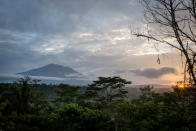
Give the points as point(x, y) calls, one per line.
point(103, 105)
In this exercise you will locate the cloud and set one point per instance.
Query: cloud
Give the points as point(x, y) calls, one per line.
point(92, 36)
point(65, 16)
point(154, 73)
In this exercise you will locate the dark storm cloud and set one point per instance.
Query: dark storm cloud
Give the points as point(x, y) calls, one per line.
point(16, 58)
point(154, 73)
point(57, 15)
point(33, 16)
point(12, 57)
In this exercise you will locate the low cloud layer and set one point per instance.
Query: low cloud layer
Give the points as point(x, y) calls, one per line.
point(154, 73)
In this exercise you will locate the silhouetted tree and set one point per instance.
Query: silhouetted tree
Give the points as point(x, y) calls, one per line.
point(173, 22)
point(21, 98)
point(67, 94)
point(107, 90)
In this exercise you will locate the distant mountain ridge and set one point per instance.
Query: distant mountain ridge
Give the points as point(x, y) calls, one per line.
point(53, 70)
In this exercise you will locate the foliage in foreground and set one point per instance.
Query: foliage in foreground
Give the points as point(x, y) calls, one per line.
point(100, 107)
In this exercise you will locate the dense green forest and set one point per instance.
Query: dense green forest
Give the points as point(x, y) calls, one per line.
point(26, 105)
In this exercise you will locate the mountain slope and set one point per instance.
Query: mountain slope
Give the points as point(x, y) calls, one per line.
point(53, 70)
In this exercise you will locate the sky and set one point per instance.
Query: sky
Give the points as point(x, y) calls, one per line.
point(91, 36)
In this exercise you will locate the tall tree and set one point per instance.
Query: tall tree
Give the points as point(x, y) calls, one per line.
point(107, 90)
point(67, 94)
point(173, 22)
point(22, 98)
